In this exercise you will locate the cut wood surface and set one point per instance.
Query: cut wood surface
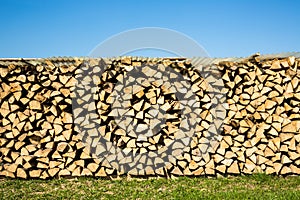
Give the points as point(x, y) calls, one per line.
point(95, 117)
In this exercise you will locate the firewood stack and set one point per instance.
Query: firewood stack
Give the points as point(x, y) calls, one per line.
point(147, 116)
point(261, 130)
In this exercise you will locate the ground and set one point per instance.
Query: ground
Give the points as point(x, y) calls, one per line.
point(257, 186)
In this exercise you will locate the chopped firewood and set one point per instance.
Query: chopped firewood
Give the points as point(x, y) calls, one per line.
point(60, 115)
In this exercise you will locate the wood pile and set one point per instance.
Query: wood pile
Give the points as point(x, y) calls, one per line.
point(152, 108)
point(147, 117)
point(262, 126)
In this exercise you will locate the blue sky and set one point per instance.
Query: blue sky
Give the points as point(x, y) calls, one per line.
point(46, 28)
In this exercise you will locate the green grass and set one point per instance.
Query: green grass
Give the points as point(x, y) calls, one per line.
point(257, 186)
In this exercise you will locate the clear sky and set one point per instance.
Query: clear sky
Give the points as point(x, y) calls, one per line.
point(46, 28)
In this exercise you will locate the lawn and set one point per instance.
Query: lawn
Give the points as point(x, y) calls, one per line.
point(257, 186)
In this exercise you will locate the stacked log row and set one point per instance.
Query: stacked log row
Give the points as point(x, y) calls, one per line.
point(37, 139)
point(43, 112)
point(148, 112)
point(262, 127)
